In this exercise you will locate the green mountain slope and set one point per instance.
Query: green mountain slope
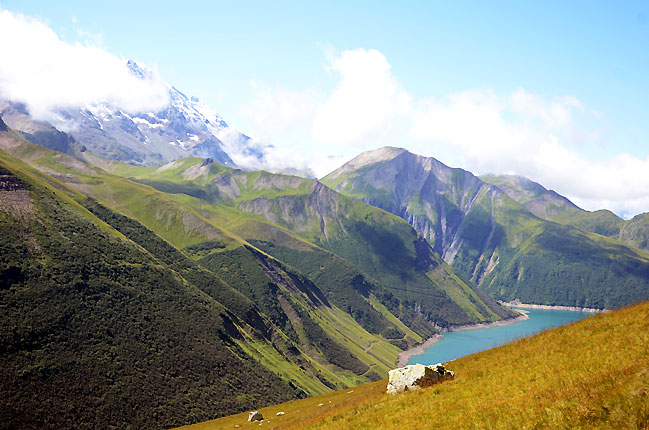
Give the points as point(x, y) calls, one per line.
point(315, 291)
point(264, 206)
point(494, 240)
point(554, 207)
point(98, 332)
point(346, 360)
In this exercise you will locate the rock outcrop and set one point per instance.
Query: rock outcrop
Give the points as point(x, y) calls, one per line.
point(255, 416)
point(416, 376)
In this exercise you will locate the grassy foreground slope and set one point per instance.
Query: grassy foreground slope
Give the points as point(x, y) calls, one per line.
point(591, 374)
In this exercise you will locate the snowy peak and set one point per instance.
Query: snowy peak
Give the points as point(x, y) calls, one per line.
point(138, 70)
point(185, 127)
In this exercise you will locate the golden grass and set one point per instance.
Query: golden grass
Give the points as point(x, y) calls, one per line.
point(299, 413)
point(592, 374)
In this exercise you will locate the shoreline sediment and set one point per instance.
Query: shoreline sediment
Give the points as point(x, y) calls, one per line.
point(518, 304)
point(404, 356)
point(499, 323)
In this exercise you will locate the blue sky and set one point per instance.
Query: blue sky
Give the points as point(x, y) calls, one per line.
point(563, 81)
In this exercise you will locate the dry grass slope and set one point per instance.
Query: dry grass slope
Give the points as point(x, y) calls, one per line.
point(592, 374)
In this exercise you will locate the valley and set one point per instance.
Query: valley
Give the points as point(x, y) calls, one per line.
point(304, 293)
point(221, 290)
point(317, 215)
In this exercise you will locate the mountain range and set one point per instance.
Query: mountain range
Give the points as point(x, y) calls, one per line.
point(183, 288)
point(509, 235)
point(185, 127)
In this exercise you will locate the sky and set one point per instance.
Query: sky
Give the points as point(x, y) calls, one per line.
point(554, 91)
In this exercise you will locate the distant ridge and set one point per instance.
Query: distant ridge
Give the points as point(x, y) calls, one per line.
point(511, 236)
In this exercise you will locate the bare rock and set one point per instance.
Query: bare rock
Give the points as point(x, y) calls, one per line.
point(255, 416)
point(416, 376)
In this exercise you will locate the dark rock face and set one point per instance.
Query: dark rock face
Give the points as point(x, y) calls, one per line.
point(8, 182)
point(3, 126)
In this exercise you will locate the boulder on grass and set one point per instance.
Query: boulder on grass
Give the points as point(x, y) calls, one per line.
point(255, 416)
point(416, 376)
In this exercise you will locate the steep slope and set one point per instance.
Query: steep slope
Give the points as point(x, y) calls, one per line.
point(551, 380)
point(488, 237)
point(302, 338)
point(96, 331)
point(553, 207)
point(378, 244)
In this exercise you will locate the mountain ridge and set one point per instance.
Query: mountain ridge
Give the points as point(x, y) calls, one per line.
point(552, 206)
point(492, 239)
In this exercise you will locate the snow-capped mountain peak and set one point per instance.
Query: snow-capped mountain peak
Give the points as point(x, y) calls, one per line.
point(185, 127)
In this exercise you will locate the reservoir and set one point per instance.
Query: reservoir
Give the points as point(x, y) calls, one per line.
point(456, 344)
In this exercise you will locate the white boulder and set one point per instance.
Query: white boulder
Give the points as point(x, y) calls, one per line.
point(255, 416)
point(416, 376)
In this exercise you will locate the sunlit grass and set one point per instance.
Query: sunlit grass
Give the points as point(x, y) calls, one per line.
point(591, 374)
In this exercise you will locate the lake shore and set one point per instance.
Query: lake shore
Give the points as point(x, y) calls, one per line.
point(518, 304)
point(500, 323)
point(421, 348)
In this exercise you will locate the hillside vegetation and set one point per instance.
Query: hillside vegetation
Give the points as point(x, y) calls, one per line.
point(308, 217)
point(95, 331)
point(501, 233)
point(591, 374)
point(309, 351)
point(294, 285)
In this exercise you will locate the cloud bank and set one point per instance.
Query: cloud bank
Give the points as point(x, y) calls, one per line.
point(549, 139)
point(45, 73)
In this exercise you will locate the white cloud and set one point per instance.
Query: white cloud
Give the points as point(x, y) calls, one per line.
point(366, 103)
point(276, 111)
point(530, 135)
point(365, 108)
point(549, 139)
point(45, 73)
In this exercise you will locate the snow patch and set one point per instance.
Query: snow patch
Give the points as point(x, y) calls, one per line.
point(147, 123)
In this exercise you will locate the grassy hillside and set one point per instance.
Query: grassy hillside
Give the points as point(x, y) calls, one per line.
point(263, 206)
point(199, 201)
point(320, 326)
point(344, 359)
point(96, 331)
point(592, 374)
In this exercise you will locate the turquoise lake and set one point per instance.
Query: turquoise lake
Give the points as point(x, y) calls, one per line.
point(457, 344)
